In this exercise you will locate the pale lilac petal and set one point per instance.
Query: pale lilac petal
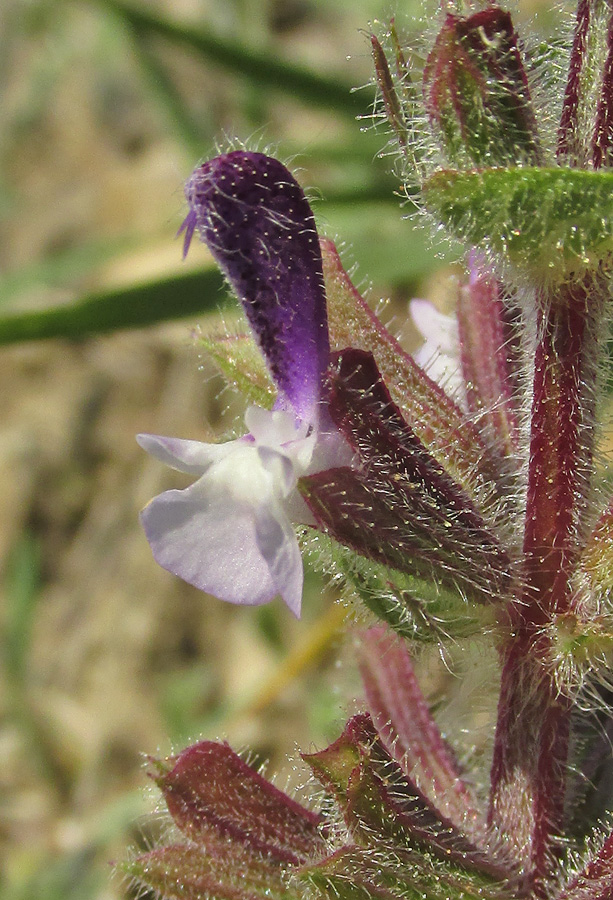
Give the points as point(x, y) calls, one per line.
point(331, 451)
point(209, 539)
point(279, 547)
point(281, 469)
point(439, 355)
point(434, 326)
point(191, 457)
point(297, 510)
point(273, 427)
point(258, 225)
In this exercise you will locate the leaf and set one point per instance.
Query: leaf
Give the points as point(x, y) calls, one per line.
point(162, 88)
point(549, 223)
point(22, 592)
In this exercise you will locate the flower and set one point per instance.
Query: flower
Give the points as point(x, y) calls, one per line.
point(230, 533)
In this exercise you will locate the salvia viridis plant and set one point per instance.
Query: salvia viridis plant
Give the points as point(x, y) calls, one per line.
point(440, 514)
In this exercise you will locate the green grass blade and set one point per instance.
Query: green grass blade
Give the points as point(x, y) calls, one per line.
point(260, 68)
point(168, 97)
point(22, 584)
point(179, 296)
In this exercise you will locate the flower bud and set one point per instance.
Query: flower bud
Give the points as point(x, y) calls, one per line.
point(477, 95)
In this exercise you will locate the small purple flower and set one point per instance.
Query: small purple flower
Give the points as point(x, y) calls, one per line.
point(231, 533)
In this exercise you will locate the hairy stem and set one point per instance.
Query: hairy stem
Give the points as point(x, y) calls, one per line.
point(528, 771)
point(584, 136)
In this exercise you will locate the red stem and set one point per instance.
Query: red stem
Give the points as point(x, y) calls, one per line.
point(528, 771)
point(581, 141)
point(568, 139)
point(603, 129)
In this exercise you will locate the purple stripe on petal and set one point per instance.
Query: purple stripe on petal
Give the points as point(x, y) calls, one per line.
point(255, 219)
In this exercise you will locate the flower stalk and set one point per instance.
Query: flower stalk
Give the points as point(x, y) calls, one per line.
point(452, 510)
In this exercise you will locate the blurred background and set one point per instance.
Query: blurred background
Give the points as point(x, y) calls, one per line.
point(105, 110)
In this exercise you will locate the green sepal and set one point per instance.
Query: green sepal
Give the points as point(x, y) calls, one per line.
point(241, 363)
point(354, 873)
point(414, 608)
point(190, 872)
point(382, 805)
point(583, 638)
point(581, 641)
point(548, 223)
point(596, 563)
point(335, 766)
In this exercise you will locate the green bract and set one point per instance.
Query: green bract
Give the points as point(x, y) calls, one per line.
point(548, 223)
